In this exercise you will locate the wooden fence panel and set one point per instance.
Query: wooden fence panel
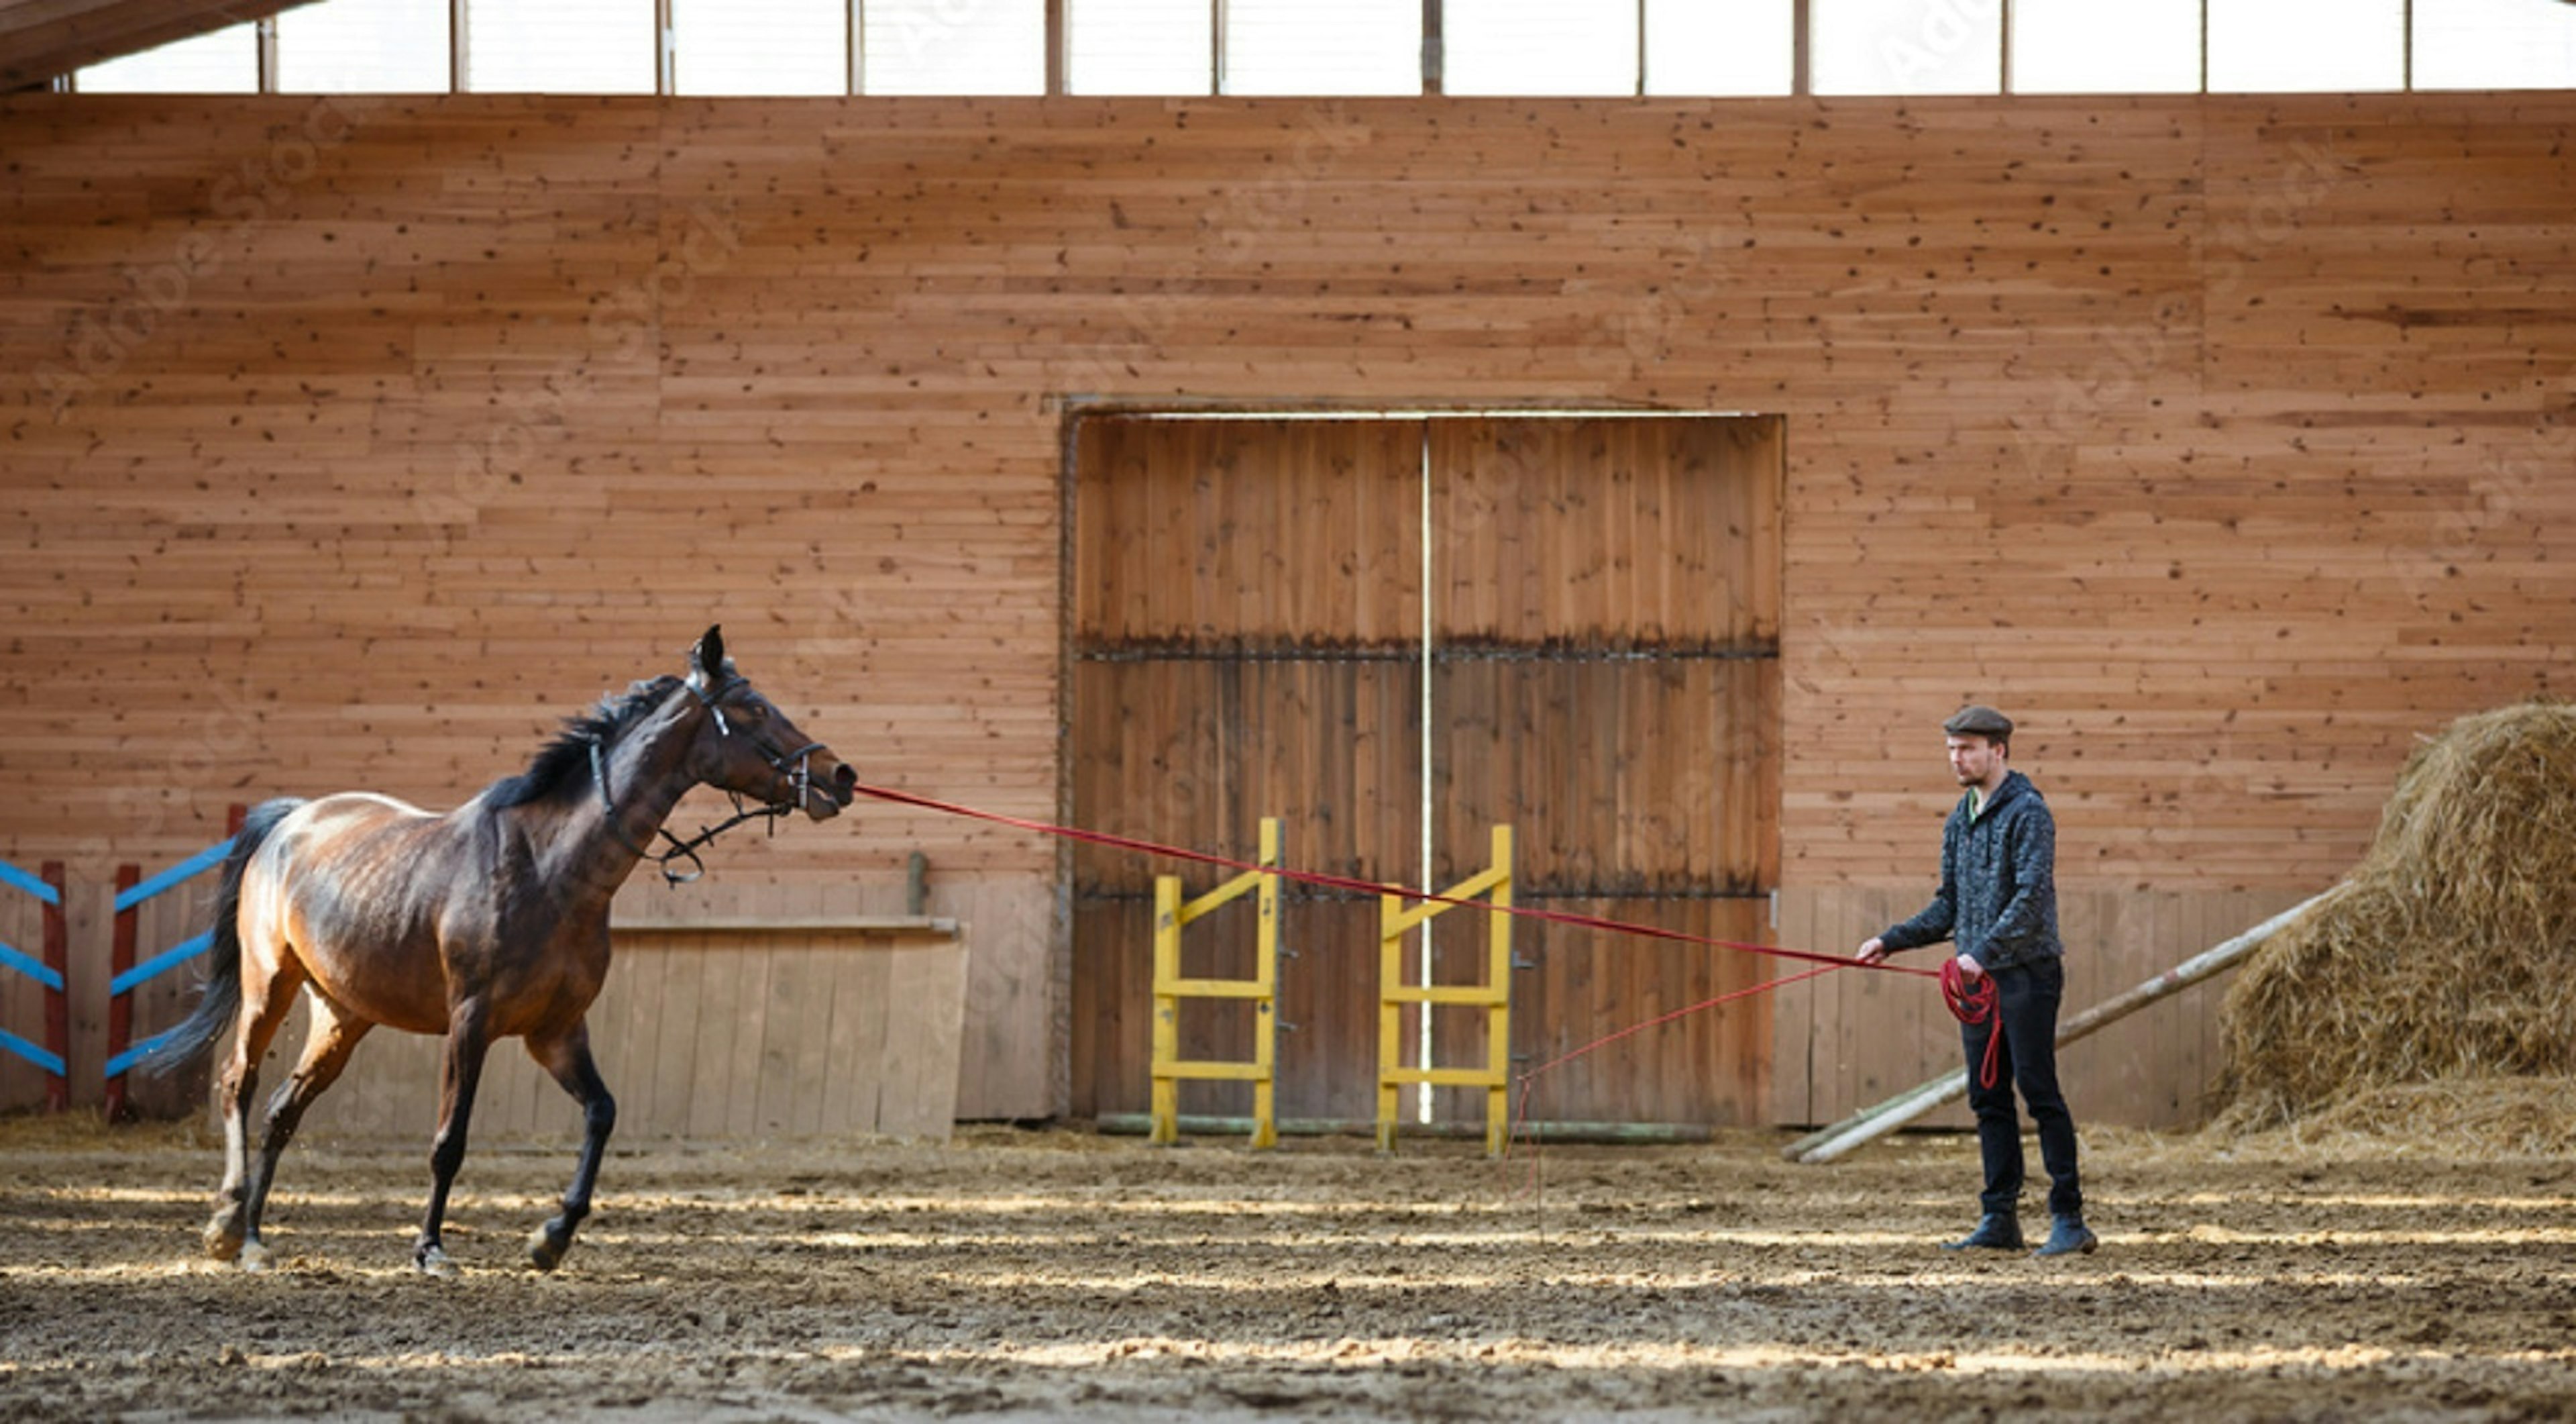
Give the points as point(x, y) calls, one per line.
point(24, 1001)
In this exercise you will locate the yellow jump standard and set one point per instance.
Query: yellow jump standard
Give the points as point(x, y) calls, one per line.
point(1495, 994)
point(1170, 915)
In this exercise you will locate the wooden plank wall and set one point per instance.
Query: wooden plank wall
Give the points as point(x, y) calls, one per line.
point(352, 442)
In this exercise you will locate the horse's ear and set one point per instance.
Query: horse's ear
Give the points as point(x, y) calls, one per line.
point(707, 659)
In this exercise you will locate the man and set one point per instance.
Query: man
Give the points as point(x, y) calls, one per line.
point(1998, 901)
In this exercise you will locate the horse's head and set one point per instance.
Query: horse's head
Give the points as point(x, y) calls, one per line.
point(749, 747)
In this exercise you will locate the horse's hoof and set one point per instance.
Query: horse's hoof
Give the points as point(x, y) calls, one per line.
point(433, 1262)
point(224, 1236)
point(547, 1245)
point(254, 1256)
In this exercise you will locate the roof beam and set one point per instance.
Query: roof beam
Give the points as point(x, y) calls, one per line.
point(41, 39)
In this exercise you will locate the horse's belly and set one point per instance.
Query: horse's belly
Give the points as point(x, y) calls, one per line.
point(412, 1002)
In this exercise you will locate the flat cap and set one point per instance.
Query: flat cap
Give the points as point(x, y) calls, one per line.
point(1978, 720)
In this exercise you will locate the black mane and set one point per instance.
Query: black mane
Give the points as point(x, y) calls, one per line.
point(565, 761)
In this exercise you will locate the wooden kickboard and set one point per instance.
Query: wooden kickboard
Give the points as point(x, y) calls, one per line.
point(724, 1031)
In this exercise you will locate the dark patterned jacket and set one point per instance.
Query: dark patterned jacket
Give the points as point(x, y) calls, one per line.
point(1998, 895)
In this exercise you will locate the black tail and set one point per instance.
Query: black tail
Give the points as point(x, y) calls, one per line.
point(220, 999)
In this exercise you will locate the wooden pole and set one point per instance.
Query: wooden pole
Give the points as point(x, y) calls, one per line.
point(1265, 1008)
point(1166, 1094)
point(58, 958)
point(1879, 1119)
point(120, 1007)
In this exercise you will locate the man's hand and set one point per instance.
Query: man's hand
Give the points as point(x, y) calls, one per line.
point(1872, 951)
point(1970, 970)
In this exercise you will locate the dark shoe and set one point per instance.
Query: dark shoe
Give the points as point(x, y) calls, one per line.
point(2067, 1236)
point(1996, 1231)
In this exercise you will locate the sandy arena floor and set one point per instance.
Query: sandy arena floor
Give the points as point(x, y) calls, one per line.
point(1039, 1275)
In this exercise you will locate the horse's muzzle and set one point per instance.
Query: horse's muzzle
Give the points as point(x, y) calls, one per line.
point(831, 790)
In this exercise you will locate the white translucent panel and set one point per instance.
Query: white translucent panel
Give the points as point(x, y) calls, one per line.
point(760, 46)
point(2089, 47)
point(1323, 46)
point(1720, 46)
point(952, 47)
point(1140, 46)
point(363, 47)
point(2495, 44)
point(560, 46)
point(1538, 47)
point(2307, 46)
point(1907, 46)
point(225, 62)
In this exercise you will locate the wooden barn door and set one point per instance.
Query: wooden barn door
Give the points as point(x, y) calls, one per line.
point(1606, 678)
point(1249, 639)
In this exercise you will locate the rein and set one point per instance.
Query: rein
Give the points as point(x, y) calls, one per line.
point(801, 780)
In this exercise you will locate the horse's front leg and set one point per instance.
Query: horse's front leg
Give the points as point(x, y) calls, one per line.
point(568, 1058)
point(468, 1039)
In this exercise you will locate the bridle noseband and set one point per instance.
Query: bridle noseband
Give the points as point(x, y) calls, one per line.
point(800, 779)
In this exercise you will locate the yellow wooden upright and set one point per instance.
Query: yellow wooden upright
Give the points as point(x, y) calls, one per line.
point(1171, 915)
point(1395, 919)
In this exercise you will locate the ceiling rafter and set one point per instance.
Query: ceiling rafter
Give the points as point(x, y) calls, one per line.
point(40, 39)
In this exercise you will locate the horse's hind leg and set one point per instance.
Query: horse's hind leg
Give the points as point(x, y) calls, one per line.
point(268, 991)
point(334, 1037)
point(568, 1059)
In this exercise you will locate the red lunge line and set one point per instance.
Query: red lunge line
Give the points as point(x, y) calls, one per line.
point(1727, 998)
point(1371, 887)
point(1527, 1080)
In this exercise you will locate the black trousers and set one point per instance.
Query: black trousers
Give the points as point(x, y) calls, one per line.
point(2026, 999)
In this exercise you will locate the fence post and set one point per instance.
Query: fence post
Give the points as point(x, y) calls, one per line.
point(58, 1005)
point(1166, 1104)
point(120, 1007)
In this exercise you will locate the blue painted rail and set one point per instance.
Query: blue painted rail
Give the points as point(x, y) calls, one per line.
point(51, 973)
point(133, 891)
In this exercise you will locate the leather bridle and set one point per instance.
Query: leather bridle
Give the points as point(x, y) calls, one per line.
point(800, 780)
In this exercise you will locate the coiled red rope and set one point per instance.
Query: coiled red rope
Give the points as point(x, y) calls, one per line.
point(1972, 1002)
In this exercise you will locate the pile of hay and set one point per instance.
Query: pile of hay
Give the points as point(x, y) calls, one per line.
point(2447, 955)
point(2456, 1120)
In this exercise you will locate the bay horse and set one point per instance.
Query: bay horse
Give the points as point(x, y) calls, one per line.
point(488, 922)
